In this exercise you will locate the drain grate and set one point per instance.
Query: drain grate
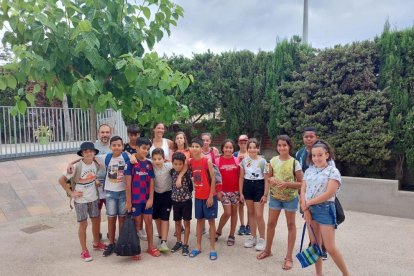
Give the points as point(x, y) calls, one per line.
point(35, 228)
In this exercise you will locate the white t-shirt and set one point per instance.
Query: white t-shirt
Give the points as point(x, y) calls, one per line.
point(103, 150)
point(86, 183)
point(115, 180)
point(317, 180)
point(254, 169)
point(165, 147)
point(163, 180)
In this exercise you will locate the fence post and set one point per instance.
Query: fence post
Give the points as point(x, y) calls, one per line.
point(93, 124)
point(68, 125)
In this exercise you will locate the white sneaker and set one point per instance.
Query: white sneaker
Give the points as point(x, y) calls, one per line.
point(142, 235)
point(250, 242)
point(261, 244)
point(163, 247)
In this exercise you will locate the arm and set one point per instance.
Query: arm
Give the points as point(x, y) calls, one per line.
point(181, 174)
point(128, 192)
point(292, 185)
point(241, 182)
point(69, 168)
point(62, 181)
point(151, 195)
point(306, 213)
point(212, 184)
point(330, 192)
point(263, 200)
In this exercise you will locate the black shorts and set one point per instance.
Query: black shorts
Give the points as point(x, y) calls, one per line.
point(162, 206)
point(182, 210)
point(253, 189)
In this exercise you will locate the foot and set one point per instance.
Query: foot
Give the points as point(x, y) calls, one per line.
point(213, 255)
point(85, 256)
point(217, 236)
point(242, 230)
point(99, 246)
point(231, 240)
point(163, 247)
point(108, 250)
point(264, 254)
point(153, 252)
point(250, 242)
point(142, 235)
point(247, 232)
point(185, 250)
point(288, 264)
point(176, 247)
point(261, 244)
point(194, 253)
point(324, 255)
point(136, 258)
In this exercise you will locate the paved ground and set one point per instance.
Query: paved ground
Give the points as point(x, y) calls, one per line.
point(30, 195)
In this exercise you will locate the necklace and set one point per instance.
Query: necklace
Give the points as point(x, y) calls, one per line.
point(319, 170)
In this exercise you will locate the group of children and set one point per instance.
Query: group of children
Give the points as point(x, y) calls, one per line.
point(150, 188)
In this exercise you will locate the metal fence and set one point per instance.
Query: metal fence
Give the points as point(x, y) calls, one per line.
point(46, 130)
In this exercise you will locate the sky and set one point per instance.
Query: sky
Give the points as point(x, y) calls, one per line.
point(227, 25)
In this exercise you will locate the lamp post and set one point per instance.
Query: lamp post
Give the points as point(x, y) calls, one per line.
point(305, 22)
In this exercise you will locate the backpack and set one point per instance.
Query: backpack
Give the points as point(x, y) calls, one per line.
point(76, 177)
point(108, 158)
point(128, 242)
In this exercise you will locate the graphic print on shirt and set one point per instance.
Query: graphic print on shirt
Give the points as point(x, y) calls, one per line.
point(116, 172)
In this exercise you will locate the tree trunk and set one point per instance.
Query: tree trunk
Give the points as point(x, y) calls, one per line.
point(93, 124)
point(66, 115)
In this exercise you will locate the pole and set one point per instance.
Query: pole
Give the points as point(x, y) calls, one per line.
point(305, 22)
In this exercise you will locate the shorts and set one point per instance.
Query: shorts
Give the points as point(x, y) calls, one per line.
point(324, 213)
point(102, 201)
point(162, 206)
point(115, 203)
point(85, 209)
point(182, 210)
point(253, 189)
point(230, 198)
point(139, 209)
point(202, 212)
point(290, 206)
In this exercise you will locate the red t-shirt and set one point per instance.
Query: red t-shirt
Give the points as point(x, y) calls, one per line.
point(230, 171)
point(200, 177)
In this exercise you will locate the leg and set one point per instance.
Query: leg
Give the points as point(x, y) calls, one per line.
point(315, 225)
point(148, 227)
point(158, 225)
point(224, 218)
point(328, 236)
point(186, 231)
point(291, 225)
point(212, 224)
point(82, 234)
point(251, 216)
point(178, 230)
point(258, 212)
point(233, 220)
point(241, 213)
point(165, 226)
point(111, 229)
point(271, 225)
point(95, 229)
point(121, 220)
point(200, 225)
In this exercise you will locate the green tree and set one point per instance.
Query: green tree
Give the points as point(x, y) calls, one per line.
point(93, 51)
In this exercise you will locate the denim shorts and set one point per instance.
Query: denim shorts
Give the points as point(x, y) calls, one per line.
point(324, 213)
point(115, 203)
point(290, 206)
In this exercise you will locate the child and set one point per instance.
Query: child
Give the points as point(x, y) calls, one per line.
point(140, 191)
point(162, 196)
point(285, 179)
point(181, 144)
point(116, 164)
point(181, 201)
point(207, 151)
point(205, 204)
point(310, 136)
point(252, 187)
point(85, 195)
point(320, 185)
point(229, 195)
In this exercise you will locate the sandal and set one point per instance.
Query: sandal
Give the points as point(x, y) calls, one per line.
point(287, 267)
point(194, 253)
point(231, 240)
point(213, 255)
point(154, 252)
point(217, 236)
point(263, 255)
point(136, 258)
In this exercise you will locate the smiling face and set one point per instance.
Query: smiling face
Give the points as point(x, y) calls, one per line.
point(104, 134)
point(117, 147)
point(309, 138)
point(228, 149)
point(242, 142)
point(195, 150)
point(283, 148)
point(88, 154)
point(159, 130)
point(320, 157)
point(142, 152)
point(178, 165)
point(207, 141)
point(253, 150)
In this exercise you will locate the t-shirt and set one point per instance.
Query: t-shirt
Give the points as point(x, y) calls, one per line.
point(86, 183)
point(115, 180)
point(186, 152)
point(200, 177)
point(254, 169)
point(183, 193)
point(230, 171)
point(165, 147)
point(129, 149)
point(317, 180)
point(163, 180)
point(302, 157)
point(141, 173)
point(209, 155)
point(283, 170)
point(103, 151)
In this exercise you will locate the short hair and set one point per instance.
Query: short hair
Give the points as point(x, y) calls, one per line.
point(101, 125)
point(115, 138)
point(321, 144)
point(311, 129)
point(133, 129)
point(289, 141)
point(253, 141)
point(159, 151)
point(197, 141)
point(228, 141)
point(178, 156)
point(144, 141)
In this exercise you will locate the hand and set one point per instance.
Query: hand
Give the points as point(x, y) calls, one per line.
point(209, 202)
point(69, 169)
point(263, 200)
point(178, 183)
point(219, 195)
point(307, 216)
point(128, 206)
point(133, 159)
point(149, 204)
point(241, 198)
point(76, 194)
point(272, 181)
point(281, 184)
point(98, 183)
point(303, 205)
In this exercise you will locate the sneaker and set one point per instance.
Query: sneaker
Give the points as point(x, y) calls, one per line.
point(261, 244)
point(185, 250)
point(324, 255)
point(108, 250)
point(247, 232)
point(177, 247)
point(242, 230)
point(142, 235)
point(85, 256)
point(100, 246)
point(163, 247)
point(250, 242)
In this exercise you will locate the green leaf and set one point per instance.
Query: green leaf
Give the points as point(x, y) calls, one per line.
point(163, 85)
point(150, 41)
point(89, 88)
point(3, 84)
point(36, 88)
point(21, 106)
point(143, 118)
point(183, 84)
point(120, 64)
point(14, 111)
point(11, 81)
point(85, 26)
point(130, 73)
point(146, 11)
point(102, 100)
point(30, 97)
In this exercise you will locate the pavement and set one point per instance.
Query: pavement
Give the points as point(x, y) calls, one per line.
point(371, 244)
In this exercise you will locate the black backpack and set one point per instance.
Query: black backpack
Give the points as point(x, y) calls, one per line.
point(128, 241)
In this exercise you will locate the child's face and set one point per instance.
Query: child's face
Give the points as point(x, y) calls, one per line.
point(157, 160)
point(133, 137)
point(195, 149)
point(207, 141)
point(320, 157)
point(228, 149)
point(88, 154)
point(252, 149)
point(179, 140)
point(282, 147)
point(117, 147)
point(309, 138)
point(178, 165)
point(142, 152)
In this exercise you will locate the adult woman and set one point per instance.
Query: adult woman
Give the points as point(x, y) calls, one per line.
point(159, 142)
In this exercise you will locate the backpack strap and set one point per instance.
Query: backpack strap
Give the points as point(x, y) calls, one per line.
point(126, 157)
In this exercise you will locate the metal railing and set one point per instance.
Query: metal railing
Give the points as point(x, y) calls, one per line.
point(62, 131)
